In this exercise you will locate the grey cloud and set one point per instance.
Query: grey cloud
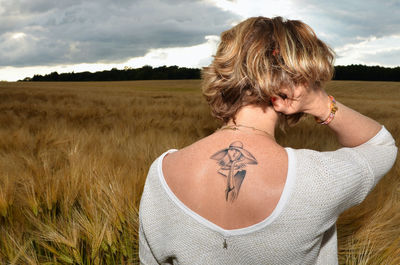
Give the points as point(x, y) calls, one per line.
point(351, 21)
point(77, 31)
point(389, 58)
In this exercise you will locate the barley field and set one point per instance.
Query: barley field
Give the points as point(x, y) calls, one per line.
point(74, 157)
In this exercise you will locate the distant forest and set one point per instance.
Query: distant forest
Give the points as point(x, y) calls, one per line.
point(350, 72)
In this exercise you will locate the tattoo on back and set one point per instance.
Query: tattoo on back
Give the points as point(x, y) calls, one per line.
point(233, 161)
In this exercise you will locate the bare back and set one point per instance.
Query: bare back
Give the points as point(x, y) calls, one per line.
point(232, 179)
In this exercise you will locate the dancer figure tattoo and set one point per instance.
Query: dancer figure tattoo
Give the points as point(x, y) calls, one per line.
point(233, 161)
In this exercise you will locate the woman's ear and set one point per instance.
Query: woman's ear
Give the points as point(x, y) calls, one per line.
point(278, 103)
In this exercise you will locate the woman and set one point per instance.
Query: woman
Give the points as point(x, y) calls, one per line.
point(238, 197)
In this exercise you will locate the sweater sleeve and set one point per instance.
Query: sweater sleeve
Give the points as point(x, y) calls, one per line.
point(354, 172)
point(380, 154)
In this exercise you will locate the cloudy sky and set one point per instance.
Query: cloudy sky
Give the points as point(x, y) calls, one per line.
point(42, 36)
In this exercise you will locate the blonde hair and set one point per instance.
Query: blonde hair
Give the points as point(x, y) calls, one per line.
point(258, 57)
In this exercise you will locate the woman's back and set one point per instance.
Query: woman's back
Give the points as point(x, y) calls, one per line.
point(199, 183)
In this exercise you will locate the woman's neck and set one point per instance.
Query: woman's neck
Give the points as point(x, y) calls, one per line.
point(263, 119)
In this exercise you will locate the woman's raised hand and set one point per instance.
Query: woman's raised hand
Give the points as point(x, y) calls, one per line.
point(351, 127)
point(314, 101)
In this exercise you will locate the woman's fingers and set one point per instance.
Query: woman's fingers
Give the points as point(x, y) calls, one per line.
point(289, 101)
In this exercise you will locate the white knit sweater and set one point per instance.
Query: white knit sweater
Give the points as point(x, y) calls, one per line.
point(301, 229)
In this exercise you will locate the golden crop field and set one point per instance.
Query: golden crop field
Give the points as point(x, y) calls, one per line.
point(74, 157)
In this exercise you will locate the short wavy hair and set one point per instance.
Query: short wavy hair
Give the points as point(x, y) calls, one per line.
point(258, 57)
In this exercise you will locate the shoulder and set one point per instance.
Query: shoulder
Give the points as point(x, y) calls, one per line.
point(341, 160)
point(344, 164)
point(342, 177)
point(154, 173)
point(188, 155)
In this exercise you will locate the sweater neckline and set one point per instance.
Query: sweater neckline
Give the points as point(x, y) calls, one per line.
point(285, 195)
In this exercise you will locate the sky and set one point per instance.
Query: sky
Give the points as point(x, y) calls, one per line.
point(43, 36)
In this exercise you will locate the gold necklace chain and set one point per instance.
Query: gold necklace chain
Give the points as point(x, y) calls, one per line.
point(237, 128)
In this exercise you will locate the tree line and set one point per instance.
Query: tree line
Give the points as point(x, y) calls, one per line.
point(367, 73)
point(349, 72)
point(143, 73)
